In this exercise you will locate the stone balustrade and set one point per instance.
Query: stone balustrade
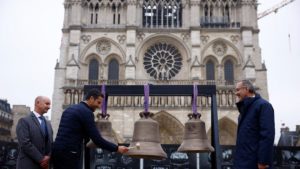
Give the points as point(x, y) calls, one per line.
point(225, 94)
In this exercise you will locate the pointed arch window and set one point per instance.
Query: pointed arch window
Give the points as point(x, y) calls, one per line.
point(113, 70)
point(210, 70)
point(228, 70)
point(93, 69)
point(116, 14)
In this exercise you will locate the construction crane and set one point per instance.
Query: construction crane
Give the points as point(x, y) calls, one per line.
point(274, 8)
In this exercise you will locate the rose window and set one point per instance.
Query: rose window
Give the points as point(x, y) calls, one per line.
point(162, 61)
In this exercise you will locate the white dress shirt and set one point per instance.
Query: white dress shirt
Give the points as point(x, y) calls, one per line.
point(37, 116)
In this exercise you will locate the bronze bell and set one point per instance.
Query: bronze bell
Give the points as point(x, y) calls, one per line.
point(146, 141)
point(105, 129)
point(195, 138)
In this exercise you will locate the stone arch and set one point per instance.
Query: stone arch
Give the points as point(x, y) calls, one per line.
point(121, 65)
point(86, 63)
point(227, 131)
point(111, 57)
point(91, 56)
point(170, 128)
point(231, 58)
point(239, 57)
point(210, 57)
point(83, 54)
point(235, 66)
point(216, 63)
point(163, 38)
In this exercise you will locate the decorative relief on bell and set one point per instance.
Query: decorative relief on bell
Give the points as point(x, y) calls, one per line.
point(146, 140)
point(195, 139)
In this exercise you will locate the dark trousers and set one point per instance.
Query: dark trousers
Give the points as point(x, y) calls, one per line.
point(64, 159)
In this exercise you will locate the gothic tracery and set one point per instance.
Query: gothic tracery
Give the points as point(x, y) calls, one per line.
point(162, 13)
point(162, 61)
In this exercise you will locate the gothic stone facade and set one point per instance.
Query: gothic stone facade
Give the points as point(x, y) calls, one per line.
point(134, 42)
point(6, 121)
point(19, 111)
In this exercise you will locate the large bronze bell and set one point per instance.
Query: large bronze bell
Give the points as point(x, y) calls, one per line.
point(146, 140)
point(195, 138)
point(105, 129)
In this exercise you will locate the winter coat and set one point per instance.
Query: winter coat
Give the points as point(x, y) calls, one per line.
point(255, 135)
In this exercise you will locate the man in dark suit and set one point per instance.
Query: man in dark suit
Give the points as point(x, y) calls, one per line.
point(35, 137)
point(256, 131)
point(76, 125)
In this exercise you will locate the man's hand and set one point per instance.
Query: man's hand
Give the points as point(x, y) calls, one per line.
point(122, 149)
point(45, 162)
point(262, 166)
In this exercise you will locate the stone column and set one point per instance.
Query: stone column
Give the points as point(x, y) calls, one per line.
point(130, 40)
point(196, 65)
point(248, 65)
point(76, 13)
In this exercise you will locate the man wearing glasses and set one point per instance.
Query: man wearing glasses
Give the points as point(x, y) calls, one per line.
point(256, 131)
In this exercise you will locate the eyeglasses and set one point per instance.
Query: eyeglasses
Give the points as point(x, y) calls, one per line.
point(238, 89)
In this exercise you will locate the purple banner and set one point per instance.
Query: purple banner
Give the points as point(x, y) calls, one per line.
point(146, 103)
point(194, 103)
point(103, 101)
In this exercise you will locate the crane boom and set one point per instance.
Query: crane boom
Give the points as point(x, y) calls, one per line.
point(274, 8)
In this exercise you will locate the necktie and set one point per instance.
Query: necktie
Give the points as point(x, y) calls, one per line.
point(43, 124)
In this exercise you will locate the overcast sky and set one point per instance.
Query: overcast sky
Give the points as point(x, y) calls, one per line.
point(30, 35)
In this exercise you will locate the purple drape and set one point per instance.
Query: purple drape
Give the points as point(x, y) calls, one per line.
point(146, 103)
point(194, 103)
point(103, 101)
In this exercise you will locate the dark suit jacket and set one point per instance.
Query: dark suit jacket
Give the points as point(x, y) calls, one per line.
point(32, 142)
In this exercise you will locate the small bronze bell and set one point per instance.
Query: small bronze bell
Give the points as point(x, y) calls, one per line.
point(195, 138)
point(146, 140)
point(105, 129)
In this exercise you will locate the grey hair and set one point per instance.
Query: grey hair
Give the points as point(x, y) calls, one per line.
point(247, 83)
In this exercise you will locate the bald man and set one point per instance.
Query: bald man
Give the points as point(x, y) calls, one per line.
point(35, 137)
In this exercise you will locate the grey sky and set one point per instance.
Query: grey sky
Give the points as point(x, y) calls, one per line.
point(30, 35)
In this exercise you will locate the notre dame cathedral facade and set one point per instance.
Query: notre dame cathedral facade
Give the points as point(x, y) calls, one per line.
point(166, 42)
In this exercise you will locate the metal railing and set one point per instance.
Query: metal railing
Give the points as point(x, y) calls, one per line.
point(5, 131)
point(218, 22)
point(5, 119)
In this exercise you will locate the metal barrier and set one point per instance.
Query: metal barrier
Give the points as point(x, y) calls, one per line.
point(284, 158)
point(8, 155)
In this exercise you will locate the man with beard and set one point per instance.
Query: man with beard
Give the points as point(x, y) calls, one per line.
point(76, 125)
point(255, 135)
